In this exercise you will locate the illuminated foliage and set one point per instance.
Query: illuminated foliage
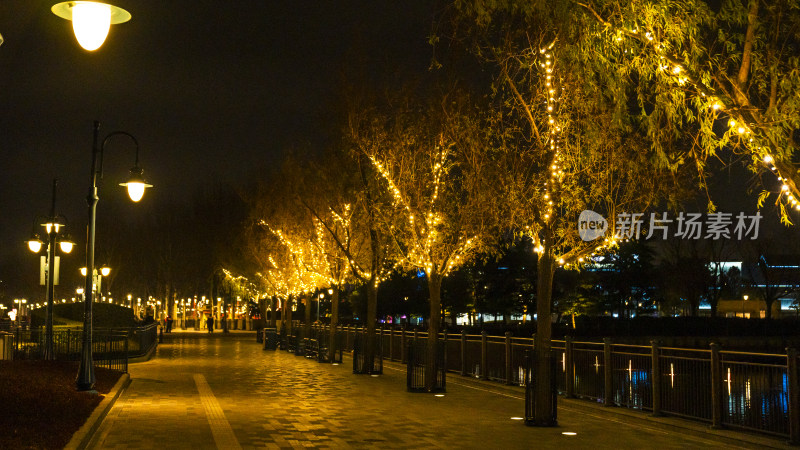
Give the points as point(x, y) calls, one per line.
point(429, 159)
point(708, 78)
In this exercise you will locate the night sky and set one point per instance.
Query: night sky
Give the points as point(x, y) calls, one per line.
point(213, 91)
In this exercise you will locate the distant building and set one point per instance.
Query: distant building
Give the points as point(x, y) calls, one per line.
point(771, 276)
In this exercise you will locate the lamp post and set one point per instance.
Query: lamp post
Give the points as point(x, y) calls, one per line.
point(744, 299)
point(136, 187)
point(53, 225)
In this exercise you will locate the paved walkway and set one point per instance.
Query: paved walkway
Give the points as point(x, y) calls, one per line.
point(205, 391)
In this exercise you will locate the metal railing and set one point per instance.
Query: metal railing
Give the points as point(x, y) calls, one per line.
point(751, 391)
point(111, 348)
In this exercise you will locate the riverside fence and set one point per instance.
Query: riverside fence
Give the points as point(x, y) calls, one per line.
point(111, 348)
point(751, 391)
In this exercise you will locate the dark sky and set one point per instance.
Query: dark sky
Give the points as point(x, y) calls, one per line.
point(213, 91)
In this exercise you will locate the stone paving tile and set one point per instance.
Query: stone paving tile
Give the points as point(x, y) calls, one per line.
point(273, 399)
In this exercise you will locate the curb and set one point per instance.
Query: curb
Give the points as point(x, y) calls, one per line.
point(146, 357)
point(84, 435)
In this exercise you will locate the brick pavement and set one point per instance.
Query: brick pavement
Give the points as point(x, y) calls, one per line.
point(213, 391)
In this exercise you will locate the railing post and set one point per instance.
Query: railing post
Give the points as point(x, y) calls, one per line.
point(655, 376)
point(463, 352)
point(794, 396)
point(569, 369)
point(509, 380)
point(443, 357)
point(127, 337)
point(608, 374)
point(391, 343)
point(403, 359)
point(379, 345)
point(483, 372)
point(716, 387)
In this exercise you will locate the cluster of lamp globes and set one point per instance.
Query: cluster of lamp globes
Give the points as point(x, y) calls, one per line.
point(136, 187)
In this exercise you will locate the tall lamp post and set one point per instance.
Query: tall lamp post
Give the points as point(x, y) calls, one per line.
point(136, 187)
point(53, 225)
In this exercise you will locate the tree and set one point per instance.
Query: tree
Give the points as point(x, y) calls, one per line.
point(629, 280)
point(718, 76)
point(428, 157)
point(348, 205)
point(505, 279)
point(561, 145)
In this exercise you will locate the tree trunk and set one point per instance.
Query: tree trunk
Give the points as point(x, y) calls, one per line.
point(287, 315)
point(435, 294)
point(544, 330)
point(369, 339)
point(225, 313)
point(307, 327)
point(334, 323)
point(273, 314)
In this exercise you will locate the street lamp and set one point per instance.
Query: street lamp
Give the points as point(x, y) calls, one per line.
point(97, 278)
point(744, 299)
point(91, 20)
point(85, 380)
point(53, 225)
point(20, 308)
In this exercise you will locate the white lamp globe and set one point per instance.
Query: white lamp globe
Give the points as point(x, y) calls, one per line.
point(91, 20)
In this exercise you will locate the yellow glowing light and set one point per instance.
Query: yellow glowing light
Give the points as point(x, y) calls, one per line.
point(135, 190)
point(91, 20)
point(66, 246)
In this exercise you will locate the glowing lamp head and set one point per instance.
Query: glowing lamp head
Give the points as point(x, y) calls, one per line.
point(83, 271)
point(34, 244)
point(136, 184)
point(66, 245)
point(105, 270)
point(91, 20)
